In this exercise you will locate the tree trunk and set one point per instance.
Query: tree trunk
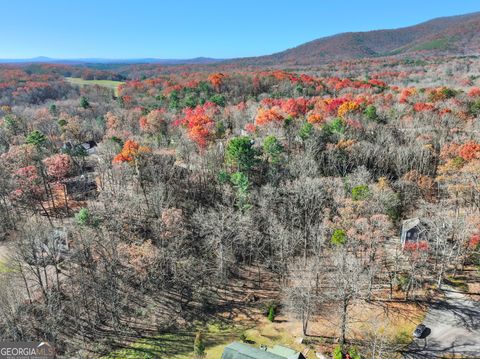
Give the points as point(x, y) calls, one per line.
point(66, 199)
point(440, 275)
point(305, 320)
point(46, 213)
point(344, 322)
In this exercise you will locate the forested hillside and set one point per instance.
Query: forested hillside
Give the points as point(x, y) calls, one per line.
point(208, 198)
point(454, 35)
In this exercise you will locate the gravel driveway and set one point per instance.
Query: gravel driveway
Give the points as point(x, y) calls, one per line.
point(453, 328)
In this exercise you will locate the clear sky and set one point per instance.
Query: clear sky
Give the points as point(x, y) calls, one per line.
point(188, 28)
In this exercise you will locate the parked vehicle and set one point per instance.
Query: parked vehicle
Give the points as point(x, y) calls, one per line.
point(419, 330)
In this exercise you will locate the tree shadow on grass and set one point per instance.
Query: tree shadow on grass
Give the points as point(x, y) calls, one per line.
point(174, 343)
point(165, 345)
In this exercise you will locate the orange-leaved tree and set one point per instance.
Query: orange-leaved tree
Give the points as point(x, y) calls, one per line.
point(131, 153)
point(216, 80)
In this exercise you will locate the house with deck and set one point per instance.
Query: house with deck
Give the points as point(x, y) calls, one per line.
point(412, 231)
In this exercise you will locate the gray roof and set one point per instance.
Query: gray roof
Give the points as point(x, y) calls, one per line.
point(408, 224)
point(285, 352)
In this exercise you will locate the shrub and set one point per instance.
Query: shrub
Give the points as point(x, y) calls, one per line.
point(287, 122)
point(271, 312)
point(394, 212)
point(354, 354)
point(458, 162)
point(360, 192)
point(371, 113)
point(11, 123)
point(243, 337)
point(190, 100)
point(117, 140)
point(218, 100)
point(272, 148)
point(36, 138)
point(403, 280)
point(84, 102)
point(475, 108)
point(337, 353)
point(241, 183)
point(448, 92)
point(305, 131)
point(339, 237)
point(199, 346)
point(240, 153)
point(220, 129)
point(83, 217)
point(299, 89)
point(223, 177)
point(335, 126)
point(52, 109)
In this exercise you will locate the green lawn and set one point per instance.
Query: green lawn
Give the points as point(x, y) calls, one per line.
point(105, 83)
point(4, 268)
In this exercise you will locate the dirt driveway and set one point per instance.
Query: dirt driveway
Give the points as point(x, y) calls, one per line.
point(453, 327)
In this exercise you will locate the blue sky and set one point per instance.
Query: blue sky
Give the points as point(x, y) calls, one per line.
point(188, 28)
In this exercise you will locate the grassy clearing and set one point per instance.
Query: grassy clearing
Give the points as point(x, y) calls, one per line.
point(270, 334)
point(395, 320)
point(105, 83)
point(179, 345)
point(167, 345)
point(438, 44)
point(5, 268)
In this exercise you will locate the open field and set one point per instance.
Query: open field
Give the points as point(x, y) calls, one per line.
point(104, 83)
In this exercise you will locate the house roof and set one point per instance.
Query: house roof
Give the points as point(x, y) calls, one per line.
point(408, 224)
point(88, 145)
point(285, 352)
point(244, 351)
point(86, 177)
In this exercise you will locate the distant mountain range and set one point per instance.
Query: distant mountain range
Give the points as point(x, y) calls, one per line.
point(80, 61)
point(454, 35)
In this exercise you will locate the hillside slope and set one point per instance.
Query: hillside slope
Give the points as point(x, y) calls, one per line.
point(459, 35)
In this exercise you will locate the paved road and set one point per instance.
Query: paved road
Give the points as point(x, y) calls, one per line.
point(453, 328)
